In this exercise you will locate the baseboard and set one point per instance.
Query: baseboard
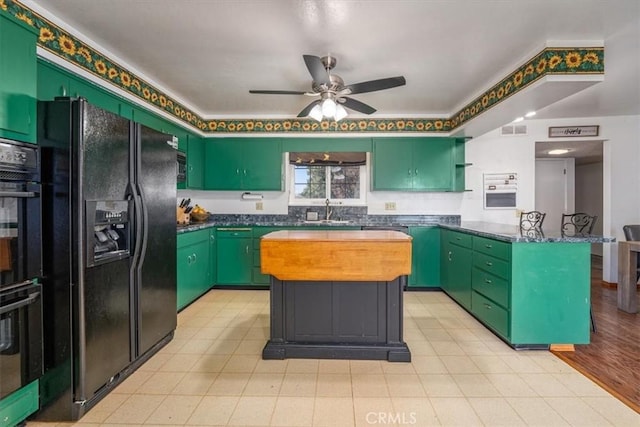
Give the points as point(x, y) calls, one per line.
point(562, 347)
point(611, 285)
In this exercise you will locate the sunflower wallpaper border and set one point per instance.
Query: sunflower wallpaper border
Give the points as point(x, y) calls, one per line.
point(550, 61)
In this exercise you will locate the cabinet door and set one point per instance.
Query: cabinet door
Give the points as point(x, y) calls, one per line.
point(193, 271)
point(195, 163)
point(18, 81)
point(445, 260)
point(262, 164)
point(213, 257)
point(459, 274)
point(222, 165)
point(95, 95)
point(392, 164)
point(51, 82)
point(433, 167)
point(425, 257)
point(235, 260)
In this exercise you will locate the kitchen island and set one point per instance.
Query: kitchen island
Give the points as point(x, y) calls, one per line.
point(336, 294)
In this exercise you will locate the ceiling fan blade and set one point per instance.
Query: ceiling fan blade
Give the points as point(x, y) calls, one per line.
point(317, 70)
point(307, 109)
point(374, 85)
point(278, 92)
point(356, 105)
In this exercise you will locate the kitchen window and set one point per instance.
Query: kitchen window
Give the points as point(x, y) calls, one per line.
point(316, 177)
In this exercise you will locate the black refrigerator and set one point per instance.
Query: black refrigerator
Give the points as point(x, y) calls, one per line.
point(109, 256)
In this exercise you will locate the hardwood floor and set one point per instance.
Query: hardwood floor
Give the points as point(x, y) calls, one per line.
point(613, 357)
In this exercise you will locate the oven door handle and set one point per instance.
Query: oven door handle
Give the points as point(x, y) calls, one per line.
point(14, 305)
point(18, 194)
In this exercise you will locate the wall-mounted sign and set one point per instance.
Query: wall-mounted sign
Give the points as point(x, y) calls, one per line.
point(569, 131)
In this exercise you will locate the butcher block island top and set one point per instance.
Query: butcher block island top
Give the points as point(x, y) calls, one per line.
point(347, 255)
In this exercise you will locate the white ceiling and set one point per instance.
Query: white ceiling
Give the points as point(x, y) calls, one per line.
point(208, 54)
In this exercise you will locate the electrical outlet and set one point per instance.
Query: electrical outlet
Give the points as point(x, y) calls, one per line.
point(259, 206)
point(390, 206)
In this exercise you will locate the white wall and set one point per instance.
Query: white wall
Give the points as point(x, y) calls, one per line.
point(492, 153)
point(589, 186)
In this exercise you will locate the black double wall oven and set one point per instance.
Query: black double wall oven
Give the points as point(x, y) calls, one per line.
point(20, 267)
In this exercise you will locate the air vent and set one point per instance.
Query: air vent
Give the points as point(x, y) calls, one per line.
point(513, 130)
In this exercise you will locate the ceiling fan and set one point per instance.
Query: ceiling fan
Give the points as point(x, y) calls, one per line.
point(332, 92)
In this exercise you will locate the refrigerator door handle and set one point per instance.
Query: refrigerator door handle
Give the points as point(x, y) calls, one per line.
point(133, 195)
point(145, 225)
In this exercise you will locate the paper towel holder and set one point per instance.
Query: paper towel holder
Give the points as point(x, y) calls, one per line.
point(251, 196)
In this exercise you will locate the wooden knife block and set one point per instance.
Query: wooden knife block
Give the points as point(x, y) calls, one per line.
point(182, 217)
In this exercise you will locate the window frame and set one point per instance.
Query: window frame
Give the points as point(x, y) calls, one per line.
point(361, 201)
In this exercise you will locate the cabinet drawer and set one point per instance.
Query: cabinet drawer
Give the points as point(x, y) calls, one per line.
point(460, 239)
point(192, 237)
point(492, 287)
point(494, 316)
point(227, 233)
point(492, 247)
point(493, 265)
point(261, 231)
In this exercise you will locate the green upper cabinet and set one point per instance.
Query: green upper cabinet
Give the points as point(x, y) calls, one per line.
point(253, 164)
point(460, 165)
point(18, 80)
point(51, 82)
point(195, 162)
point(413, 164)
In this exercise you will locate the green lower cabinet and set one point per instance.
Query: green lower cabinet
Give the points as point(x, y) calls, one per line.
point(193, 259)
point(213, 256)
point(235, 256)
point(456, 266)
point(425, 257)
point(530, 294)
point(550, 293)
point(16, 407)
point(258, 232)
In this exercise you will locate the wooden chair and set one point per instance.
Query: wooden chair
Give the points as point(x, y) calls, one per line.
point(577, 224)
point(632, 234)
point(531, 220)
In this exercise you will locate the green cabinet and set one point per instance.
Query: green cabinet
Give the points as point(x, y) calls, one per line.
point(18, 79)
point(195, 162)
point(51, 82)
point(459, 183)
point(425, 257)
point(258, 232)
point(252, 164)
point(524, 292)
point(193, 259)
point(413, 164)
point(456, 267)
point(491, 283)
point(213, 256)
point(235, 256)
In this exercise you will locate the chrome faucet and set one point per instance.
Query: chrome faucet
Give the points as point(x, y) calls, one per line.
point(328, 210)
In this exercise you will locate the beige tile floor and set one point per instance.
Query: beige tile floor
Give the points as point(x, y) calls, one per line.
point(212, 374)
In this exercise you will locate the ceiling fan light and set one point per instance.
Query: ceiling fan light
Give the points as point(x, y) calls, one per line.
point(316, 113)
point(329, 108)
point(341, 112)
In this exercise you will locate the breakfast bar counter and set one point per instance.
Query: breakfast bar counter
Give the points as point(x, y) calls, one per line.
point(336, 294)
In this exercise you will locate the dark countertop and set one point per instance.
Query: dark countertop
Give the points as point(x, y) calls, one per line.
point(512, 233)
point(503, 232)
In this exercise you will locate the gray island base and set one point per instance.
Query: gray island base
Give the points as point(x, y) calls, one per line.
point(337, 320)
